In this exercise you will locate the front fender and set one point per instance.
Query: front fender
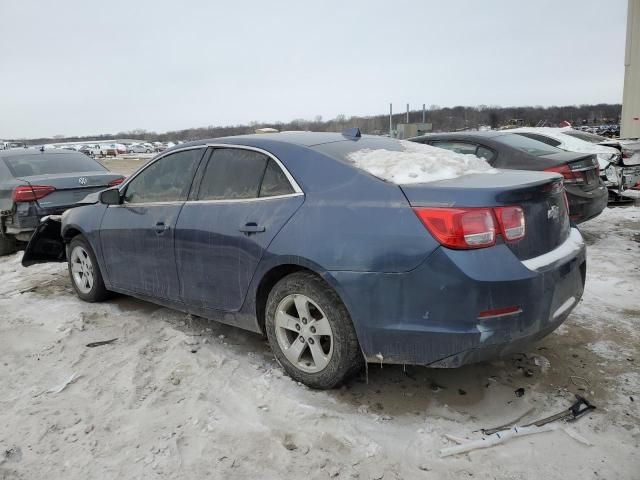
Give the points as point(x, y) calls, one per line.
point(46, 243)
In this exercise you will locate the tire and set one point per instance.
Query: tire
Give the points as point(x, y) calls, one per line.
point(84, 271)
point(7, 245)
point(337, 351)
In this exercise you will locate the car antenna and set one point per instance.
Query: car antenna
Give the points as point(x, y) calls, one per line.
point(352, 133)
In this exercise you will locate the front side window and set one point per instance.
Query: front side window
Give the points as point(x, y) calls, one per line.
point(166, 180)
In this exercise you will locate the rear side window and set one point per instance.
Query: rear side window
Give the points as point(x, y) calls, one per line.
point(51, 164)
point(541, 138)
point(486, 154)
point(458, 147)
point(526, 145)
point(166, 180)
point(275, 182)
point(233, 173)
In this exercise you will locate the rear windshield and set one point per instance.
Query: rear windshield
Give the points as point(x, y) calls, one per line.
point(51, 163)
point(587, 137)
point(527, 145)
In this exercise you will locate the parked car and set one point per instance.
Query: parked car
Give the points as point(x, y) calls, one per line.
point(100, 150)
point(292, 235)
point(623, 172)
point(119, 148)
point(12, 145)
point(139, 148)
point(586, 193)
point(618, 169)
point(36, 183)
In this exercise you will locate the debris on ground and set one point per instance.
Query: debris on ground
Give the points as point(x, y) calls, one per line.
point(99, 344)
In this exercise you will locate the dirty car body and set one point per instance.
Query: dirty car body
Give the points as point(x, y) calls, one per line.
point(411, 299)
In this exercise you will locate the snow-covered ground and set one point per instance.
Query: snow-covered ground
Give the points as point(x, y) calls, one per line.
point(177, 397)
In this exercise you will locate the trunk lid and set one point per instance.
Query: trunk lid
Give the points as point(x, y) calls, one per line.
point(540, 195)
point(70, 188)
point(586, 168)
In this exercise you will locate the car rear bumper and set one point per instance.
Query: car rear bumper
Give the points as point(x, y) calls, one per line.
point(431, 315)
point(27, 217)
point(583, 205)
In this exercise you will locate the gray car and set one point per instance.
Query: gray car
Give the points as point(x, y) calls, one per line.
point(36, 183)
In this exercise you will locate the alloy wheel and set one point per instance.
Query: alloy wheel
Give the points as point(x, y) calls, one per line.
point(82, 269)
point(304, 333)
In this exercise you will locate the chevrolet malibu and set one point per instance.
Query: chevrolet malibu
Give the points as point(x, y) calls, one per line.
point(341, 248)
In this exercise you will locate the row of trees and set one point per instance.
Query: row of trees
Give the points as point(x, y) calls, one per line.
point(443, 119)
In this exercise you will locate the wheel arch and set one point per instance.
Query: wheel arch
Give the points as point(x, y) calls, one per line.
point(70, 232)
point(276, 273)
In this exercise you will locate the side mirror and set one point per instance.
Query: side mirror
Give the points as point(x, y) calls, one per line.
point(110, 196)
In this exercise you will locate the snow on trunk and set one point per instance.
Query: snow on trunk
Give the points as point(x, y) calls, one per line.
point(417, 163)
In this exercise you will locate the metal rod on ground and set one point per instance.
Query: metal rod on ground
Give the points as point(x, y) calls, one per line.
point(391, 120)
point(407, 113)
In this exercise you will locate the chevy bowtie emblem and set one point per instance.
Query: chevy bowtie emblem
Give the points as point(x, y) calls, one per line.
point(553, 212)
point(82, 180)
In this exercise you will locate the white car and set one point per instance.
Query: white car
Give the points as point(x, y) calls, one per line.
point(557, 137)
point(616, 174)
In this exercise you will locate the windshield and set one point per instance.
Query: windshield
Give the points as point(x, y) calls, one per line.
point(51, 163)
point(587, 137)
point(527, 145)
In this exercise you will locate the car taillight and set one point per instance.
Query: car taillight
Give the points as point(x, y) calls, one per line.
point(511, 221)
point(115, 182)
point(30, 193)
point(569, 175)
point(467, 228)
point(459, 228)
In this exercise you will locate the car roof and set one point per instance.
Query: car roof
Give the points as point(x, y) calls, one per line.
point(26, 152)
point(467, 134)
point(305, 139)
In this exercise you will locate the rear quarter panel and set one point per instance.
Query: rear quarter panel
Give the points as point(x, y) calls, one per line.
point(350, 220)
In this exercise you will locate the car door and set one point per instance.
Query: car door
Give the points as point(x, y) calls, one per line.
point(137, 236)
point(244, 198)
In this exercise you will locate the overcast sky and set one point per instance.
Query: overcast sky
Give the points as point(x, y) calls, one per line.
point(78, 67)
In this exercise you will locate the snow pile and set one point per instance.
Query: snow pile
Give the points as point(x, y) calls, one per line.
point(417, 163)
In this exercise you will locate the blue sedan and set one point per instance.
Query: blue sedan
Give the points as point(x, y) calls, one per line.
point(291, 235)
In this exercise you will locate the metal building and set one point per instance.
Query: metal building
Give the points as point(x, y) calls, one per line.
point(631, 97)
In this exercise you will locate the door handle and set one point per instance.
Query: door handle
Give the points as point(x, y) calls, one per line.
point(161, 227)
point(251, 227)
